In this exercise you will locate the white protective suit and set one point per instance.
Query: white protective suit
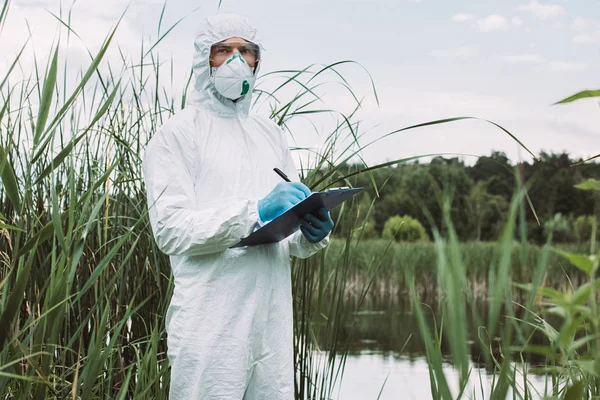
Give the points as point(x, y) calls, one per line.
point(229, 323)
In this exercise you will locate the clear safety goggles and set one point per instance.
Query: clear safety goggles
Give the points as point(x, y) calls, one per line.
point(222, 51)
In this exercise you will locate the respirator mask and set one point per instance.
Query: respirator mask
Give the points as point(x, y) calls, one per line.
point(234, 75)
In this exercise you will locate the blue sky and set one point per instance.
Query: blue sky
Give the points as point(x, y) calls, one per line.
point(504, 61)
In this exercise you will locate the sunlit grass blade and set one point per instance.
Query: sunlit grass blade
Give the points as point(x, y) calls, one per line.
point(10, 227)
point(160, 39)
point(47, 95)
point(580, 261)
point(584, 94)
point(439, 385)
point(13, 65)
point(9, 180)
point(332, 67)
point(590, 184)
point(41, 148)
point(69, 148)
point(587, 160)
point(4, 13)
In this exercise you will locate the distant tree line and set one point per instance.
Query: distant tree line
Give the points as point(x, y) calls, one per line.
point(479, 195)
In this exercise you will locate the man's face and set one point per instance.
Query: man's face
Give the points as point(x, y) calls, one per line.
point(221, 51)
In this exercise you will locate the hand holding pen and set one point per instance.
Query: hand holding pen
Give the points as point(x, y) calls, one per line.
point(283, 197)
point(316, 225)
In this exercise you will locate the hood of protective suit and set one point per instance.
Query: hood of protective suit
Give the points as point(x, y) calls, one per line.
point(213, 30)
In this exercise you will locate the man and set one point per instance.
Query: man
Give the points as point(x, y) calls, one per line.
point(210, 181)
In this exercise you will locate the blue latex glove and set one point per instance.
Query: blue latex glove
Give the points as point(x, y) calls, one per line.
point(283, 197)
point(317, 225)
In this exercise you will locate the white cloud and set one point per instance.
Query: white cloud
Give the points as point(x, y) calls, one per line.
point(105, 9)
point(543, 11)
point(583, 39)
point(462, 17)
point(460, 52)
point(563, 66)
point(524, 58)
point(492, 23)
point(92, 27)
point(580, 24)
point(516, 21)
point(539, 126)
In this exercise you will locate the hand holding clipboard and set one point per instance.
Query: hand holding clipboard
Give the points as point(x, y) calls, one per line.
point(289, 222)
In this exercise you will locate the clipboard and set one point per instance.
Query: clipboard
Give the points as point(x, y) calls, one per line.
point(289, 222)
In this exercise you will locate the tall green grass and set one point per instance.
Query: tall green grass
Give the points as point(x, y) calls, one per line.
point(504, 337)
point(83, 289)
point(385, 264)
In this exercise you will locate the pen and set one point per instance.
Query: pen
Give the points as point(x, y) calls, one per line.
point(281, 174)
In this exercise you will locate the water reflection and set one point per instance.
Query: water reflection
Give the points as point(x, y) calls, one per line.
point(396, 330)
point(397, 377)
point(382, 342)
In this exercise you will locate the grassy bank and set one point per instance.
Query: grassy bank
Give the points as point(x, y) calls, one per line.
point(386, 264)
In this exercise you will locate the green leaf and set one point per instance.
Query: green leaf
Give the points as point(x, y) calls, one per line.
point(547, 370)
point(581, 342)
point(21, 377)
point(541, 350)
point(9, 180)
point(575, 391)
point(548, 330)
point(438, 380)
point(590, 184)
point(122, 395)
point(523, 286)
point(57, 219)
point(95, 356)
point(430, 123)
point(4, 13)
point(46, 101)
point(567, 332)
point(586, 160)
point(168, 30)
point(10, 227)
point(15, 61)
point(553, 294)
point(68, 148)
point(588, 366)
point(15, 298)
point(40, 150)
point(6, 104)
point(581, 95)
point(560, 311)
point(580, 261)
point(583, 293)
point(45, 233)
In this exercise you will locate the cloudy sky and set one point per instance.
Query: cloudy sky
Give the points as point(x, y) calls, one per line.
point(505, 61)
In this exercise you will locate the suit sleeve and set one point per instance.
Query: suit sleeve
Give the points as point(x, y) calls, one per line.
point(179, 225)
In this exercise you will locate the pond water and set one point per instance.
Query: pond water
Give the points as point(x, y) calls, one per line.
point(398, 377)
point(387, 355)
